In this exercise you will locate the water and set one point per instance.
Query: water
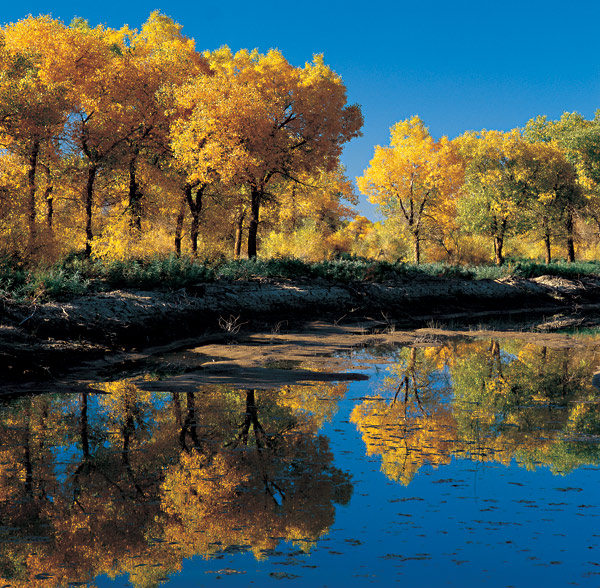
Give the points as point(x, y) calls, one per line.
point(474, 462)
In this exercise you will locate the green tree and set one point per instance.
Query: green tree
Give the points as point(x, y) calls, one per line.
point(495, 191)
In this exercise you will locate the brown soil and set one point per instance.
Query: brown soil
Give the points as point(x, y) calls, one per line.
point(36, 340)
point(319, 352)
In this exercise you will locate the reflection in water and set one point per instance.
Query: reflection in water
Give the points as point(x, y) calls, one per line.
point(487, 402)
point(127, 482)
point(134, 483)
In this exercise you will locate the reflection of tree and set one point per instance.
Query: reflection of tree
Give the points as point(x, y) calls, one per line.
point(271, 480)
point(28, 432)
point(127, 482)
point(487, 402)
point(318, 402)
point(410, 425)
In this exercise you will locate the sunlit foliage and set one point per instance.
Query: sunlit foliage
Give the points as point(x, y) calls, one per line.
point(130, 143)
point(105, 482)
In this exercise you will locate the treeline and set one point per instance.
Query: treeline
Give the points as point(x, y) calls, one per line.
point(120, 143)
point(131, 144)
point(538, 186)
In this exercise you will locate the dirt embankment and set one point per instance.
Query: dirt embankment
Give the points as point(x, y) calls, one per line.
point(33, 334)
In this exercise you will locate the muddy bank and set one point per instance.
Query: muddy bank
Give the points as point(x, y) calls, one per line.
point(34, 335)
point(316, 353)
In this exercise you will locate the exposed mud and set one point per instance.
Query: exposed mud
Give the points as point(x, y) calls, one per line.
point(37, 341)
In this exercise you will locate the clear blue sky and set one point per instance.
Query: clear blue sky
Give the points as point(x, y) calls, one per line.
point(460, 65)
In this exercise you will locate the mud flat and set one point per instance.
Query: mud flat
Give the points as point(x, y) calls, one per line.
point(35, 338)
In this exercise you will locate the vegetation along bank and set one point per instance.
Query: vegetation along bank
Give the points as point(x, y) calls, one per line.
point(137, 171)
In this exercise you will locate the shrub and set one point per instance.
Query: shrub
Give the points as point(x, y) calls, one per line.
point(75, 275)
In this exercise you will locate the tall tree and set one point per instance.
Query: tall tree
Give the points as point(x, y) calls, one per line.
point(33, 107)
point(259, 118)
point(494, 191)
point(412, 177)
point(159, 58)
point(580, 140)
point(551, 183)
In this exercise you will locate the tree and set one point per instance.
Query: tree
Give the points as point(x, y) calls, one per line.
point(412, 177)
point(494, 191)
point(580, 140)
point(33, 107)
point(258, 118)
point(488, 401)
point(303, 215)
point(552, 187)
point(158, 59)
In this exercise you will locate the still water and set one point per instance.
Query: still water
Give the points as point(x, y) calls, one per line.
point(467, 462)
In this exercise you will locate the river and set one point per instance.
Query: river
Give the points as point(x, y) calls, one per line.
point(452, 461)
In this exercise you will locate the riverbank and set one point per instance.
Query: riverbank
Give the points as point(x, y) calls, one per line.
point(35, 336)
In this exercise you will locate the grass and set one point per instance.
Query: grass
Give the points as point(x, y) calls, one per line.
point(75, 276)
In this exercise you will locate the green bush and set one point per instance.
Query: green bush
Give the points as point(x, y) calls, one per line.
point(155, 273)
point(244, 269)
point(76, 275)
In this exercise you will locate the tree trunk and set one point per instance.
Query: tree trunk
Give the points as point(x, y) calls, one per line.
point(569, 226)
point(127, 431)
point(251, 419)
point(33, 159)
point(179, 228)
point(48, 198)
point(190, 425)
point(83, 426)
point(416, 247)
point(194, 230)
point(239, 231)
point(195, 205)
point(177, 408)
point(498, 230)
point(547, 248)
point(498, 244)
point(255, 196)
point(89, 200)
point(27, 464)
point(135, 197)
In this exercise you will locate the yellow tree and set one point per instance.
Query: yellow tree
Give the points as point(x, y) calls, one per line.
point(13, 223)
point(580, 140)
point(151, 64)
point(120, 86)
point(159, 59)
point(412, 177)
point(416, 426)
point(257, 119)
point(304, 214)
point(83, 63)
point(33, 108)
point(552, 186)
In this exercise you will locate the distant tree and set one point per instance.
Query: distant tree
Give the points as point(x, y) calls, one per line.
point(552, 188)
point(495, 190)
point(580, 140)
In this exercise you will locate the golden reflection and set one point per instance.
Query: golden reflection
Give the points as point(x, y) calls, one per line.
point(131, 483)
point(488, 401)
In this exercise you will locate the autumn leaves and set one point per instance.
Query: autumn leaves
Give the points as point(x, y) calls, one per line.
point(257, 122)
point(533, 183)
point(131, 143)
point(412, 178)
point(125, 135)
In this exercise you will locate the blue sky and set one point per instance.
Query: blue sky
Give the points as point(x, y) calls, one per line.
point(460, 65)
